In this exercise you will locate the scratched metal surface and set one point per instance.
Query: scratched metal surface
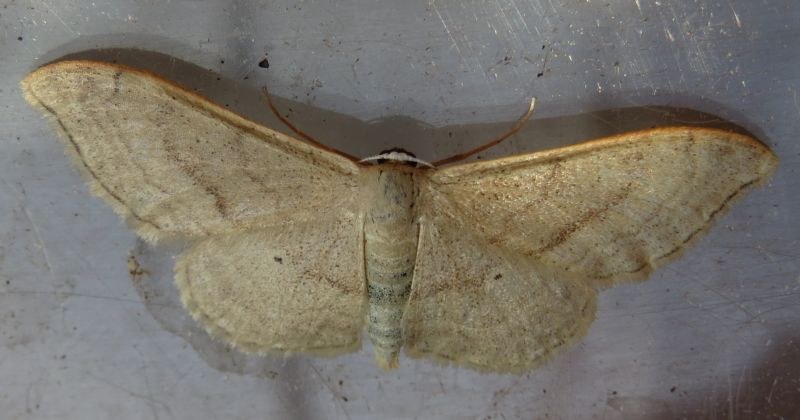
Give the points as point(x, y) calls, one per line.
point(713, 335)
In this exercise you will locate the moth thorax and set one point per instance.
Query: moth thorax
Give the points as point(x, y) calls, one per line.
point(397, 155)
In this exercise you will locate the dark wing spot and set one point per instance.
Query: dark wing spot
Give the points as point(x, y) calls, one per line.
point(117, 76)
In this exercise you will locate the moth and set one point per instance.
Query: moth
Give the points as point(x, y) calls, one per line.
point(293, 247)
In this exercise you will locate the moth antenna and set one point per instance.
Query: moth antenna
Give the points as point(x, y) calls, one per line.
point(266, 97)
point(520, 123)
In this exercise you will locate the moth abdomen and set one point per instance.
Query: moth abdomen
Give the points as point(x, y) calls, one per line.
point(390, 234)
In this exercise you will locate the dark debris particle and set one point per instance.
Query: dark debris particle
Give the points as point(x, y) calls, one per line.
point(673, 389)
point(278, 260)
point(498, 276)
point(345, 399)
point(19, 38)
point(264, 64)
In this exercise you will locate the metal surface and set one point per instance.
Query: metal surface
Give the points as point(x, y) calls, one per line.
point(713, 335)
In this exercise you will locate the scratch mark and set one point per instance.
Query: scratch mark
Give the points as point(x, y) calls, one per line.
point(336, 395)
point(28, 398)
point(521, 18)
point(150, 400)
point(53, 12)
point(772, 391)
point(37, 236)
point(447, 29)
point(776, 309)
point(83, 295)
point(669, 35)
point(149, 395)
point(752, 317)
point(353, 68)
point(544, 63)
point(735, 16)
point(638, 6)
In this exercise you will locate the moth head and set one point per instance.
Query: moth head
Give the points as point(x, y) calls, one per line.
point(397, 155)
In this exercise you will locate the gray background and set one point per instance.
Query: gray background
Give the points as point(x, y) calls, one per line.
point(712, 335)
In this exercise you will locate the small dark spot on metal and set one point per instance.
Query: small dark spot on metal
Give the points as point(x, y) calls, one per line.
point(19, 38)
point(540, 74)
point(264, 64)
point(345, 399)
point(222, 61)
point(673, 389)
